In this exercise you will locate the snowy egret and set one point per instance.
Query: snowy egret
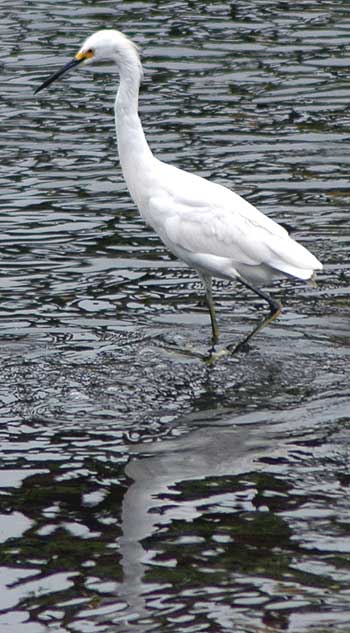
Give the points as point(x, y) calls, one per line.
point(209, 227)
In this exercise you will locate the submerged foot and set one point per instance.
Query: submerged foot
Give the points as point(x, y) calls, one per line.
point(243, 346)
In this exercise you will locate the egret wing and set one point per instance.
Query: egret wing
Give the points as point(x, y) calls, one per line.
point(199, 216)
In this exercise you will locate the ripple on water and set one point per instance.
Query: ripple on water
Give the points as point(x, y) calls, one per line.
point(141, 488)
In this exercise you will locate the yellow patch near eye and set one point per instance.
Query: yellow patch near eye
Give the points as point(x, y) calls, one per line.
point(84, 55)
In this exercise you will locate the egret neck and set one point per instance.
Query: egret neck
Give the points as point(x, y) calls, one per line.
point(135, 155)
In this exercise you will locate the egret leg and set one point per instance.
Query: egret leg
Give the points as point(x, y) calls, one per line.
point(207, 282)
point(275, 311)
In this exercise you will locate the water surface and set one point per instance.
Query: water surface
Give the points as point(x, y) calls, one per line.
point(141, 489)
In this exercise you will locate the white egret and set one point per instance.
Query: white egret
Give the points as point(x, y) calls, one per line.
point(206, 225)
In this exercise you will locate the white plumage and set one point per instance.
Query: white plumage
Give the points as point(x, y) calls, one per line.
point(209, 227)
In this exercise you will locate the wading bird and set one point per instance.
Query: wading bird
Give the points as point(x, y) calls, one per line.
point(209, 227)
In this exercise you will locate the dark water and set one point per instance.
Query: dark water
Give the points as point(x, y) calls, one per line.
point(142, 490)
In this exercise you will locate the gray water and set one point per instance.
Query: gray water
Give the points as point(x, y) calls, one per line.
point(141, 489)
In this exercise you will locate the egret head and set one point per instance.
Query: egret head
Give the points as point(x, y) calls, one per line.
point(102, 46)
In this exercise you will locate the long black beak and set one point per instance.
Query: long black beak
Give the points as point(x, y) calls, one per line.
point(47, 82)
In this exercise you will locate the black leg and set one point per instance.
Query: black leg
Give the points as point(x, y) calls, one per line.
point(275, 311)
point(207, 282)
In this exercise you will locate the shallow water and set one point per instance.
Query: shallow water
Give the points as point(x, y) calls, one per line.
point(141, 489)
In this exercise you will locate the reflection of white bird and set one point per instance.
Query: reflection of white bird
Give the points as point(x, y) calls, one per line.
point(209, 227)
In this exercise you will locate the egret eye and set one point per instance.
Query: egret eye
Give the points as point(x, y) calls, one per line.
point(89, 53)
